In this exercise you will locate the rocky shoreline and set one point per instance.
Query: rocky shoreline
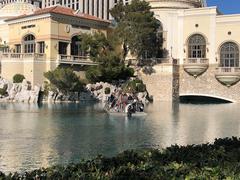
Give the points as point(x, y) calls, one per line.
point(26, 93)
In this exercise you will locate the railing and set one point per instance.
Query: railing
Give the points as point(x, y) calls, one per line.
point(154, 61)
point(23, 56)
point(196, 61)
point(70, 59)
point(228, 70)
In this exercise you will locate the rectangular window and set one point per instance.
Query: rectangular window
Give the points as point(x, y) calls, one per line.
point(83, 6)
point(93, 7)
point(62, 48)
point(108, 9)
point(18, 48)
point(97, 8)
point(42, 47)
point(102, 9)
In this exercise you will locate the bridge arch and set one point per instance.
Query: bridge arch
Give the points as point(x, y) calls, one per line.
point(204, 98)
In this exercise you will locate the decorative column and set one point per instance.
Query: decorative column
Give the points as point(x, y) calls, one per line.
point(105, 9)
point(69, 49)
point(111, 5)
point(86, 6)
point(100, 8)
point(81, 5)
point(95, 7)
point(90, 7)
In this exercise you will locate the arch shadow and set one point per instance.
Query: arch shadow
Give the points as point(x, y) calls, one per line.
point(203, 99)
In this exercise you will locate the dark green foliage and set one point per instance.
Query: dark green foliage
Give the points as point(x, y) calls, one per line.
point(64, 80)
point(220, 160)
point(137, 27)
point(3, 91)
point(107, 90)
point(111, 65)
point(18, 78)
point(134, 86)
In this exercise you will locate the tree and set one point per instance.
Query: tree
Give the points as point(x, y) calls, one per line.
point(64, 80)
point(137, 27)
point(18, 78)
point(103, 50)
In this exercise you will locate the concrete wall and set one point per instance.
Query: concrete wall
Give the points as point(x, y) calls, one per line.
point(162, 84)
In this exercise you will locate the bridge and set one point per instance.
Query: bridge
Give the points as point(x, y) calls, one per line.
point(172, 81)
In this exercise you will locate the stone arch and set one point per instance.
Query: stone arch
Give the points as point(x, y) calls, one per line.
point(196, 46)
point(200, 33)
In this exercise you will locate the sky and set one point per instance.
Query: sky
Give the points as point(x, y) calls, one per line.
point(226, 6)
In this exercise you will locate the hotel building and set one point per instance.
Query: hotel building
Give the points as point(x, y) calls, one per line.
point(204, 42)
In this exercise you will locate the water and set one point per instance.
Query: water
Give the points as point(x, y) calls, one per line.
point(34, 136)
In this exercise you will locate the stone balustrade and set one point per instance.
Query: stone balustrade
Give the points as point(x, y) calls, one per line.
point(22, 56)
point(77, 60)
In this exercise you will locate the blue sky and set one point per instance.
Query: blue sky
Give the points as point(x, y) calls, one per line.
point(226, 6)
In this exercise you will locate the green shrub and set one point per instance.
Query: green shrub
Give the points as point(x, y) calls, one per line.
point(134, 86)
point(219, 160)
point(64, 79)
point(18, 78)
point(3, 91)
point(107, 90)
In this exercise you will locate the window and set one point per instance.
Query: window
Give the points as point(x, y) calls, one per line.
point(88, 3)
point(108, 9)
point(93, 7)
point(29, 44)
point(76, 46)
point(102, 9)
point(97, 8)
point(62, 48)
point(83, 6)
point(197, 46)
point(42, 47)
point(229, 55)
point(18, 48)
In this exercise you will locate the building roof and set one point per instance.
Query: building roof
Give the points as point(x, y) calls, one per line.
point(62, 11)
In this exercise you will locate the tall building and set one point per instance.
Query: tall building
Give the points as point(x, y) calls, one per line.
point(97, 8)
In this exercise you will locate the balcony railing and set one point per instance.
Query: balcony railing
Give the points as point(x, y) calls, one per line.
point(228, 70)
point(22, 56)
point(81, 60)
point(154, 61)
point(196, 61)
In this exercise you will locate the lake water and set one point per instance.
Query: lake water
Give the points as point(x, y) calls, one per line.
point(33, 136)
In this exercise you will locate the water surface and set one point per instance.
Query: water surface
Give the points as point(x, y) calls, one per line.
point(33, 136)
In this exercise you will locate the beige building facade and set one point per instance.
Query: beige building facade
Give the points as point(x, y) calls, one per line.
point(205, 44)
point(45, 39)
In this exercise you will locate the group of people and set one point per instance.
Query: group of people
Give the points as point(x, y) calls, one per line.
point(125, 103)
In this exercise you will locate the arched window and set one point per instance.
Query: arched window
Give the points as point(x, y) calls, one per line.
point(29, 43)
point(196, 46)
point(76, 46)
point(229, 55)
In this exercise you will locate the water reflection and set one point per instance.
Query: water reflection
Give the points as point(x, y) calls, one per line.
point(33, 136)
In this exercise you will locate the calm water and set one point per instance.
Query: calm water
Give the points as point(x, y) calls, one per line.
point(33, 136)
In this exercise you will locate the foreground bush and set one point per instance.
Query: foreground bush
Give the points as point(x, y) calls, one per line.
point(220, 160)
point(18, 78)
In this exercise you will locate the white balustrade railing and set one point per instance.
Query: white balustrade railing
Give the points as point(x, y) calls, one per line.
point(23, 56)
point(71, 59)
point(226, 70)
point(196, 61)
